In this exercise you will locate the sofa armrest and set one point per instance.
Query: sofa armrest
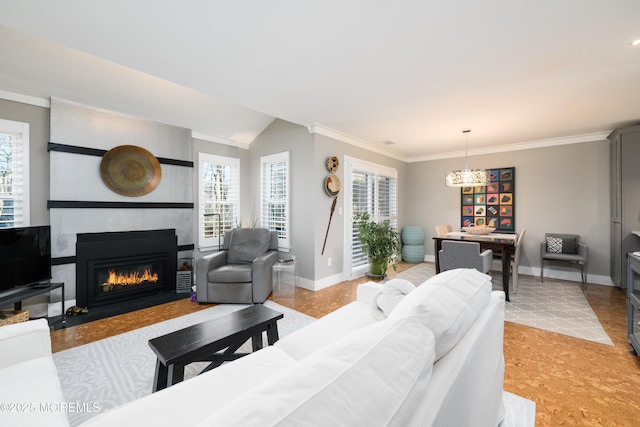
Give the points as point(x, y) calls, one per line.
point(583, 251)
point(367, 291)
point(262, 275)
point(207, 263)
point(24, 341)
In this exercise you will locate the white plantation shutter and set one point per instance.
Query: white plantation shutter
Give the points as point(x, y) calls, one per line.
point(373, 189)
point(219, 194)
point(14, 174)
point(274, 195)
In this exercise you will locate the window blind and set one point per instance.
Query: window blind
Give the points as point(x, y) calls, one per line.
point(374, 190)
point(13, 174)
point(219, 189)
point(274, 209)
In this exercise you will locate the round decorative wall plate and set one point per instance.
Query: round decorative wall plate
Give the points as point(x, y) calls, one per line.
point(332, 185)
point(130, 170)
point(332, 164)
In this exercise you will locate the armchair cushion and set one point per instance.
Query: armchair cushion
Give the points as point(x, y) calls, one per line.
point(247, 244)
point(237, 273)
point(562, 244)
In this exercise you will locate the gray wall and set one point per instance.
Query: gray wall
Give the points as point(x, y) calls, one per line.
point(310, 205)
point(326, 147)
point(558, 189)
point(283, 136)
point(202, 146)
point(38, 119)
point(563, 188)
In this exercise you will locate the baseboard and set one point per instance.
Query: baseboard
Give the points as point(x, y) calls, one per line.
point(572, 276)
point(316, 285)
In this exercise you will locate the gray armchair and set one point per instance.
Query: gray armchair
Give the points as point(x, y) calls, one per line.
point(564, 247)
point(242, 272)
point(455, 254)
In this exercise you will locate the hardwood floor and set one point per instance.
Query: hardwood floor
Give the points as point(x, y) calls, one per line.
point(572, 381)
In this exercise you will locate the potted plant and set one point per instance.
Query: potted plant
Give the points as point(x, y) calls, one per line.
point(380, 242)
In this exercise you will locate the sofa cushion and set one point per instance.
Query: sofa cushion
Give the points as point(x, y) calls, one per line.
point(34, 385)
point(329, 329)
point(375, 376)
point(237, 273)
point(448, 305)
point(191, 401)
point(247, 244)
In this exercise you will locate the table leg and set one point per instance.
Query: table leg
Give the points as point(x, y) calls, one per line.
point(256, 341)
point(160, 378)
point(506, 267)
point(272, 333)
point(175, 374)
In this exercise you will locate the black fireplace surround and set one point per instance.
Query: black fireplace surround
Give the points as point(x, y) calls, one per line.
point(127, 252)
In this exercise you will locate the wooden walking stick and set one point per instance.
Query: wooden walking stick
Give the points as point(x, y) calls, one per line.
point(333, 208)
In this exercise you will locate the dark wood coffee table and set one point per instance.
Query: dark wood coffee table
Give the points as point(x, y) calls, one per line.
point(214, 341)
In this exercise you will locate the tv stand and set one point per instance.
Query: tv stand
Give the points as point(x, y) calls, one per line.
point(15, 297)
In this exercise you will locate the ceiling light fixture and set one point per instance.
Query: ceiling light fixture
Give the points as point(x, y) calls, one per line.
point(635, 42)
point(467, 177)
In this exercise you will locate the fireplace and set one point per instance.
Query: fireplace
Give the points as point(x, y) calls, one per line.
point(119, 266)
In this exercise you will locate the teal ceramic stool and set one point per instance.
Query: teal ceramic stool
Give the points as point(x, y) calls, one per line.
point(412, 244)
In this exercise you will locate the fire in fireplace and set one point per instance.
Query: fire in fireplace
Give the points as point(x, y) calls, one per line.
point(114, 280)
point(121, 280)
point(114, 267)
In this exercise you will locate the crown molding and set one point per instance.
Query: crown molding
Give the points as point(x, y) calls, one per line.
point(25, 99)
point(554, 142)
point(219, 140)
point(319, 129)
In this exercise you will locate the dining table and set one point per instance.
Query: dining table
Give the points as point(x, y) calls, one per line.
point(504, 243)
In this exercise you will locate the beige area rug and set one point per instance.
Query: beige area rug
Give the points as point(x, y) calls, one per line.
point(553, 305)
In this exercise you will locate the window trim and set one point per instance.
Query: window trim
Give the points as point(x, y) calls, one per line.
point(284, 243)
point(21, 129)
point(211, 243)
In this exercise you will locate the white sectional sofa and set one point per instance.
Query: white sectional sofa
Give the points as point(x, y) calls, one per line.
point(435, 360)
point(30, 392)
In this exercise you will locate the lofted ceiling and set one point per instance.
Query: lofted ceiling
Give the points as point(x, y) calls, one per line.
point(403, 78)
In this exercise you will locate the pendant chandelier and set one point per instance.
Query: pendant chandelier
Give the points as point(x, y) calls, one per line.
point(467, 177)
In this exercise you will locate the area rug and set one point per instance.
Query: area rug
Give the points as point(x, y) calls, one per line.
point(121, 368)
point(553, 305)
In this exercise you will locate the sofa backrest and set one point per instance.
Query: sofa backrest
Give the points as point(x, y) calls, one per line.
point(394, 358)
point(448, 303)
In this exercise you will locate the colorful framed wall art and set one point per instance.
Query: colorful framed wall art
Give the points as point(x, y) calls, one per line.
point(493, 205)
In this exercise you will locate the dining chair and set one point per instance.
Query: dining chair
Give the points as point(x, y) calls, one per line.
point(564, 247)
point(515, 260)
point(459, 254)
point(441, 230)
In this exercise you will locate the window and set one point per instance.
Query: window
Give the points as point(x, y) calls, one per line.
point(373, 189)
point(14, 174)
point(274, 196)
point(219, 189)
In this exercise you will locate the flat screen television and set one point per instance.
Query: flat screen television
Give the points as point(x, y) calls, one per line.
point(25, 256)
